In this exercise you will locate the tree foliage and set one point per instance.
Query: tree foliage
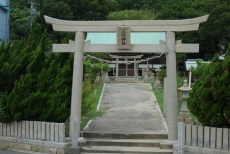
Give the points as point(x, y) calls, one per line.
point(131, 15)
point(36, 85)
point(209, 99)
point(18, 69)
point(92, 69)
point(20, 23)
point(213, 36)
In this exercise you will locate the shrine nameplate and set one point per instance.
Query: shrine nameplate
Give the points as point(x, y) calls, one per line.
point(123, 38)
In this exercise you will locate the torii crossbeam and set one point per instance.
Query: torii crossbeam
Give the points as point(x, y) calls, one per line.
point(170, 45)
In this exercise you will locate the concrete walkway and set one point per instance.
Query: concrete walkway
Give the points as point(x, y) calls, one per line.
point(129, 109)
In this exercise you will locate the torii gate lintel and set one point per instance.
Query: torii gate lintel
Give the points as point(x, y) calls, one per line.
point(135, 25)
point(136, 48)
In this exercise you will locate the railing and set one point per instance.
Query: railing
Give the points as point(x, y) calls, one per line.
point(203, 137)
point(34, 130)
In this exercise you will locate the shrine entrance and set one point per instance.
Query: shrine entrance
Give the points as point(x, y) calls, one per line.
point(126, 66)
point(123, 28)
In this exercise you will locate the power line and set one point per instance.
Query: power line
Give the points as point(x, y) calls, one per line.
point(126, 62)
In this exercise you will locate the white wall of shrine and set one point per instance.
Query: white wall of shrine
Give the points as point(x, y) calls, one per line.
point(135, 38)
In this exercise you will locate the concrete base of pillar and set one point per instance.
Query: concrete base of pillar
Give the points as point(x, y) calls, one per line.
point(72, 150)
point(184, 115)
point(185, 120)
point(180, 119)
point(188, 121)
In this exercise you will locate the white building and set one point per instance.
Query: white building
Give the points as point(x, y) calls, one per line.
point(4, 20)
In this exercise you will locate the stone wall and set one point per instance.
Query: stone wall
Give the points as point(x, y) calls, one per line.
point(199, 150)
point(202, 139)
point(33, 136)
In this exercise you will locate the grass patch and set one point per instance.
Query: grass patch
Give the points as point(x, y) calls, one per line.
point(159, 93)
point(93, 113)
point(194, 118)
point(90, 115)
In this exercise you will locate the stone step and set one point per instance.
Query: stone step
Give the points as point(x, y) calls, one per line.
point(164, 145)
point(102, 153)
point(126, 150)
point(124, 142)
point(126, 136)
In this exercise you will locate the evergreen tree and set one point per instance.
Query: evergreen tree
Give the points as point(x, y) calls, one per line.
point(209, 99)
point(25, 87)
point(37, 86)
point(58, 95)
point(131, 15)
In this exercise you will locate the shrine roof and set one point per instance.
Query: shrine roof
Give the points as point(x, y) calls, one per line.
point(135, 38)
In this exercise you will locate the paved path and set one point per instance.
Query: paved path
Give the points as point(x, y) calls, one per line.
point(130, 109)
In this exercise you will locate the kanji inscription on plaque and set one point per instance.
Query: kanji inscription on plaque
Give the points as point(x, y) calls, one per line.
point(123, 38)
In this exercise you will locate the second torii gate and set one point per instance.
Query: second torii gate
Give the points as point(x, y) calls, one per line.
point(123, 28)
point(126, 60)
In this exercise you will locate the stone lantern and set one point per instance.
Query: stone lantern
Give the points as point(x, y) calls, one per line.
point(106, 79)
point(146, 78)
point(184, 112)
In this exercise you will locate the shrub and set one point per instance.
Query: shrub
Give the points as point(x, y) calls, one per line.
point(209, 99)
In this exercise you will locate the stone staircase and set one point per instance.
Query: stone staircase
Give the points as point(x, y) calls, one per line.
point(125, 143)
point(129, 79)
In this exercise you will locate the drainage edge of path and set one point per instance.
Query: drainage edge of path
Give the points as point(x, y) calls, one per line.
point(159, 110)
point(98, 107)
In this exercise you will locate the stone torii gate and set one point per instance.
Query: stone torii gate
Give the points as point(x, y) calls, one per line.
point(123, 28)
point(126, 58)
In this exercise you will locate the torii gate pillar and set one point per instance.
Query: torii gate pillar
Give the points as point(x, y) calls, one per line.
point(77, 82)
point(172, 108)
